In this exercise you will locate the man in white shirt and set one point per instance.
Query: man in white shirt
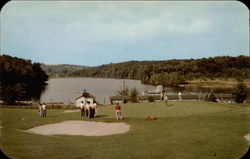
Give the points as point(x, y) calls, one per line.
point(40, 110)
point(91, 111)
point(165, 98)
point(82, 112)
point(44, 110)
point(162, 96)
point(179, 96)
point(87, 109)
point(95, 108)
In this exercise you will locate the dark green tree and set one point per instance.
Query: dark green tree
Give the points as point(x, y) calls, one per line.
point(20, 79)
point(211, 97)
point(151, 99)
point(123, 91)
point(134, 93)
point(240, 92)
point(172, 72)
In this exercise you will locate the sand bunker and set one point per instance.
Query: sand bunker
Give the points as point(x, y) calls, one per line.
point(86, 128)
point(247, 136)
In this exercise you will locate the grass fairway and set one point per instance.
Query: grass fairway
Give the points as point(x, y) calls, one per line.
point(190, 130)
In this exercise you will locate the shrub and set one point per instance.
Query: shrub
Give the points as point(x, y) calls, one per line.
point(123, 91)
point(240, 92)
point(133, 95)
point(210, 97)
point(151, 99)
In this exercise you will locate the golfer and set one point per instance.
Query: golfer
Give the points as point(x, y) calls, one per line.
point(40, 110)
point(87, 109)
point(118, 112)
point(165, 98)
point(179, 96)
point(44, 111)
point(95, 108)
point(82, 111)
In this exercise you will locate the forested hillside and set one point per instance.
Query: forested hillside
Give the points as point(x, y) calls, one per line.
point(172, 72)
point(61, 70)
point(20, 79)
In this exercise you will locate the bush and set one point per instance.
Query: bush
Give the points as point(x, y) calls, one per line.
point(123, 91)
point(210, 97)
point(133, 95)
point(240, 92)
point(125, 101)
point(151, 99)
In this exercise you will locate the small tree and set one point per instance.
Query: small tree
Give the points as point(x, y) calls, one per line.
point(13, 93)
point(123, 92)
point(20, 92)
point(210, 97)
point(151, 99)
point(240, 92)
point(134, 95)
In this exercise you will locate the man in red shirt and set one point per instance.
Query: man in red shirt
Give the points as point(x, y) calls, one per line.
point(118, 112)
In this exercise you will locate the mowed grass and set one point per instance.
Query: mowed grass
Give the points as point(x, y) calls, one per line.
point(185, 129)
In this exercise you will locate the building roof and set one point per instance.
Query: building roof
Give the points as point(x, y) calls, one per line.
point(86, 95)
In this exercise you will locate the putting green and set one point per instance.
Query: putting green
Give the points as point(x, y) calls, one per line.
point(159, 109)
point(183, 130)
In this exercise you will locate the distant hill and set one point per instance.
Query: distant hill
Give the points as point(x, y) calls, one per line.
point(61, 70)
point(167, 72)
point(172, 72)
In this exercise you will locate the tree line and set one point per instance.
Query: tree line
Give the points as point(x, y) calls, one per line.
point(172, 72)
point(60, 70)
point(20, 79)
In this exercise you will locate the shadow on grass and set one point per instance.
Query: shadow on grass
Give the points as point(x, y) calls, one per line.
point(168, 105)
point(49, 116)
point(101, 116)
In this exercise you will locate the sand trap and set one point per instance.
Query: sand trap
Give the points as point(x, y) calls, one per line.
point(247, 136)
point(71, 111)
point(86, 128)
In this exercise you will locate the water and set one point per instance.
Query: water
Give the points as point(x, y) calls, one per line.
point(66, 90)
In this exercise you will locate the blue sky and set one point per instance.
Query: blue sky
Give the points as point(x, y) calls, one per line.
point(96, 33)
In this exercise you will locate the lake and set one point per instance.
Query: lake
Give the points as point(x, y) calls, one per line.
point(66, 90)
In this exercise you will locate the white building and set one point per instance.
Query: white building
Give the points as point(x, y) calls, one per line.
point(84, 97)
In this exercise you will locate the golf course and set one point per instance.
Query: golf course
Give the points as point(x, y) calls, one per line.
point(184, 129)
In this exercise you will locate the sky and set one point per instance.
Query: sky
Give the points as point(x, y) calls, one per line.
point(95, 33)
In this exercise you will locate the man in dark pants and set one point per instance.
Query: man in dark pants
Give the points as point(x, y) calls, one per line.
point(82, 112)
point(87, 108)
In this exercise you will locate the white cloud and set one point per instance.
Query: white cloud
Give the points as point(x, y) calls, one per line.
point(148, 27)
point(197, 25)
point(110, 20)
point(99, 27)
